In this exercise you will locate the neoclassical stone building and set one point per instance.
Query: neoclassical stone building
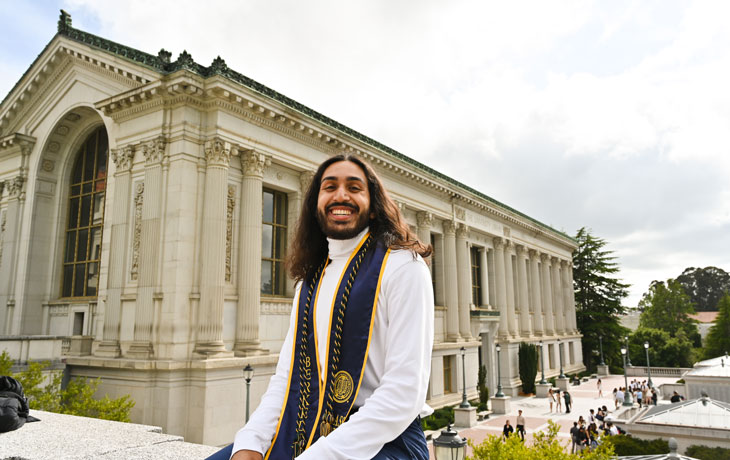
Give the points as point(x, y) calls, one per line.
point(145, 210)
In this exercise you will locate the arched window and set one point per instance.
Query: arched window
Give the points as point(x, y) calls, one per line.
point(85, 218)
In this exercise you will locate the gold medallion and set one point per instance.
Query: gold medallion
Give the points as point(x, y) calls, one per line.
point(343, 387)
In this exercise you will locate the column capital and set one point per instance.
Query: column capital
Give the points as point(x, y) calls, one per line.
point(534, 254)
point(566, 263)
point(253, 163)
point(555, 260)
point(545, 257)
point(123, 158)
point(217, 152)
point(499, 242)
point(424, 219)
point(154, 150)
point(449, 227)
point(462, 231)
point(305, 179)
point(15, 185)
point(522, 250)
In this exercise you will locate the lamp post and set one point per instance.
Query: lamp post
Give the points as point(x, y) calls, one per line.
point(449, 446)
point(248, 374)
point(648, 366)
point(560, 355)
point(464, 403)
point(542, 365)
point(499, 393)
point(600, 346)
point(628, 358)
point(627, 393)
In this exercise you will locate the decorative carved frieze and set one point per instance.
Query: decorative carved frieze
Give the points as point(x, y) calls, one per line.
point(276, 308)
point(460, 213)
point(123, 158)
point(154, 150)
point(58, 310)
point(138, 201)
point(253, 163)
point(305, 178)
point(229, 229)
point(424, 219)
point(218, 153)
point(449, 227)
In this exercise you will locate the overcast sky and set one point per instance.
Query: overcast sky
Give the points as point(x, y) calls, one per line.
point(611, 115)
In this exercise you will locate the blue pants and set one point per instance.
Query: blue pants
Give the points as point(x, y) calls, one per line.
point(410, 445)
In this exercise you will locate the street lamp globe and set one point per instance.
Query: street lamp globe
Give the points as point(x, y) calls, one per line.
point(449, 445)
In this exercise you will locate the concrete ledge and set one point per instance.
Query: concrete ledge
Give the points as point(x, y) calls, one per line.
point(500, 405)
point(75, 438)
point(542, 389)
point(465, 417)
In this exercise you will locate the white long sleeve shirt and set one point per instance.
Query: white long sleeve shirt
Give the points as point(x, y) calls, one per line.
point(396, 374)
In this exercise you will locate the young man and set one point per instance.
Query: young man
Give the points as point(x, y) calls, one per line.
point(507, 430)
point(520, 425)
point(353, 370)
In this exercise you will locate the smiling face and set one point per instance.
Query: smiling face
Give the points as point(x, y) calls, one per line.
point(343, 203)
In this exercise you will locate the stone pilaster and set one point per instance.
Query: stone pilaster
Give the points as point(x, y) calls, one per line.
point(525, 323)
point(123, 159)
point(249, 279)
point(209, 340)
point(464, 280)
point(510, 283)
point(558, 307)
point(569, 297)
point(450, 282)
point(547, 295)
point(484, 272)
point(10, 246)
point(537, 314)
point(149, 248)
point(437, 269)
point(501, 286)
point(425, 221)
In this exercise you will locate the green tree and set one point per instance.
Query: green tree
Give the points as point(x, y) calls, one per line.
point(718, 339)
point(482, 387)
point(664, 350)
point(598, 296)
point(705, 286)
point(544, 445)
point(527, 357)
point(667, 307)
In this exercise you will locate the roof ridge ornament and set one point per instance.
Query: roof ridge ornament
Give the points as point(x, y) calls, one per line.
point(64, 22)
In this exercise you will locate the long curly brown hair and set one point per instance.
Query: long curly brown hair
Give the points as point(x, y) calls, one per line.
point(309, 247)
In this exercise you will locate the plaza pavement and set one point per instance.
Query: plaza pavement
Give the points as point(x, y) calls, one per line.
point(537, 410)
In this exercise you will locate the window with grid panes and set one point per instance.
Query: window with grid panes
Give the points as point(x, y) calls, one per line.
point(476, 277)
point(273, 243)
point(85, 218)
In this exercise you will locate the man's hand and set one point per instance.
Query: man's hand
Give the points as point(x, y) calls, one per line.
point(247, 455)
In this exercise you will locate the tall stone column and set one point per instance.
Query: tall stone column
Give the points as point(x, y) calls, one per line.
point(484, 272)
point(547, 295)
point(10, 247)
point(249, 275)
point(510, 282)
point(464, 280)
point(425, 220)
point(558, 305)
point(569, 297)
point(450, 280)
point(537, 314)
point(123, 159)
point(149, 248)
point(209, 341)
point(437, 269)
point(525, 323)
point(501, 287)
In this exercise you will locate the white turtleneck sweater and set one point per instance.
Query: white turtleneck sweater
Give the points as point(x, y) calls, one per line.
point(395, 379)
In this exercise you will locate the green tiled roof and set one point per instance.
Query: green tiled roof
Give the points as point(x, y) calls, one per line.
point(162, 64)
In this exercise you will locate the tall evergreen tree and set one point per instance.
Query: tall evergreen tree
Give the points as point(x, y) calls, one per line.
point(705, 286)
point(718, 339)
point(598, 296)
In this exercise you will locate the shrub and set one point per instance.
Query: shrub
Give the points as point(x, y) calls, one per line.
point(627, 445)
point(482, 386)
point(439, 419)
point(528, 366)
point(76, 399)
point(708, 453)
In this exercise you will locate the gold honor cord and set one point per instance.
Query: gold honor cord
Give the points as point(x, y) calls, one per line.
point(305, 371)
point(329, 422)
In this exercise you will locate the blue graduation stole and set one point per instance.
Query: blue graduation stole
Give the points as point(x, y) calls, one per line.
point(312, 409)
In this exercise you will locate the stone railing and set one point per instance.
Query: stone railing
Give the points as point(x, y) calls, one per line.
point(640, 371)
point(24, 348)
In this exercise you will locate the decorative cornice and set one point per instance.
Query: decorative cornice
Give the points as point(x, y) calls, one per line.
point(25, 143)
point(218, 152)
point(424, 219)
point(253, 163)
point(123, 158)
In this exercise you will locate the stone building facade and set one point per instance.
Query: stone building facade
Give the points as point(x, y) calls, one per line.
point(145, 209)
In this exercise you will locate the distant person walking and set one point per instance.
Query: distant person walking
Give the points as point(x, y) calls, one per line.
point(568, 401)
point(520, 425)
point(599, 385)
point(551, 399)
point(507, 430)
point(558, 404)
